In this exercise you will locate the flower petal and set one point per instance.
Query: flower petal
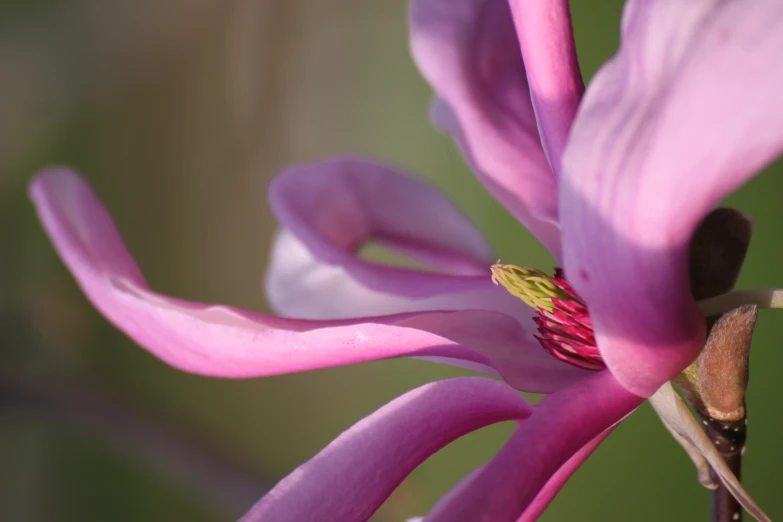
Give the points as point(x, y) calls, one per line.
point(224, 341)
point(688, 110)
point(544, 496)
point(547, 43)
point(702, 466)
point(336, 206)
point(468, 51)
point(675, 414)
point(561, 425)
point(301, 286)
point(298, 284)
point(318, 261)
point(561, 476)
point(330, 209)
point(350, 478)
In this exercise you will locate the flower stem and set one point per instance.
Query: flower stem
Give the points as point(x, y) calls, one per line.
point(761, 297)
point(729, 438)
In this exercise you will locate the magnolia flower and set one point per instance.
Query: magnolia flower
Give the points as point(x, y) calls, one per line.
point(614, 183)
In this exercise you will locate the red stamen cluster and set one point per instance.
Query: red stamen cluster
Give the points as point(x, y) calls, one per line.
point(567, 331)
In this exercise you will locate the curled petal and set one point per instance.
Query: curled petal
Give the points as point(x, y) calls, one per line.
point(350, 478)
point(556, 86)
point(467, 50)
point(330, 209)
point(678, 418)
point(688, 110)
point(337, 206)
point(224, 341)
point(561, 425)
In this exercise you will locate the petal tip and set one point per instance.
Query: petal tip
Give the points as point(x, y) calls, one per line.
point(54, 180)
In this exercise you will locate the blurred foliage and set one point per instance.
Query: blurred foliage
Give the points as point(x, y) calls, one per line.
point(179, 113)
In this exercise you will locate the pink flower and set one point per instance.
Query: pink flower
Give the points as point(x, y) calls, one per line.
point(687, 111)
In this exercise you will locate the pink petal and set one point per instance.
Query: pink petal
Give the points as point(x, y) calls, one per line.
point(224, 341)
point(544, 496)
point(561, 476)
point(468, 52)
point(350, 478)
point(556, 86)
point(688, 110)
point(561, 425)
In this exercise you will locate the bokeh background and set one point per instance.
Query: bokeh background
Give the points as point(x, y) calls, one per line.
point(179, 113)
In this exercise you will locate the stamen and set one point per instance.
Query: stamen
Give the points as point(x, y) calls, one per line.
point(565, 330)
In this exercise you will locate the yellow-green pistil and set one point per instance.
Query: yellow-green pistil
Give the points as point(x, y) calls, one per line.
point(531, 285)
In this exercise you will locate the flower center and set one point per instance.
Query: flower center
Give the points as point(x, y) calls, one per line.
point(564, 326)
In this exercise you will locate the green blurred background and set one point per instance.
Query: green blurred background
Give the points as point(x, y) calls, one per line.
point(179, 113)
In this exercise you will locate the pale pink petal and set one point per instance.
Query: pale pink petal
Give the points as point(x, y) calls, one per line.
point(468, 51)
point(350, 478)
point(678, 418)
point(561, 425)
point(556, 86)
point(688, 110)
point(298, 284)
point(224, 341)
